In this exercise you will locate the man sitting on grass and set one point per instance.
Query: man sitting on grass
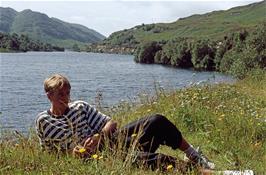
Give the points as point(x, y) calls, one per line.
point(75, 126)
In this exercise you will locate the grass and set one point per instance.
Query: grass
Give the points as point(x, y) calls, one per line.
point(4, 50)
point(226, 120)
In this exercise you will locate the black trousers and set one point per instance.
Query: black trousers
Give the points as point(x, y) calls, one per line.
point(149, 133)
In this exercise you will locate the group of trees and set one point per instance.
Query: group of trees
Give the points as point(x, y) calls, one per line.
point(22, 43)
point(125, 38)
point(75, 48)
point(236, 54)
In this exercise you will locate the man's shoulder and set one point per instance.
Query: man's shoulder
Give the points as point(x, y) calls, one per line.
point(43, 115)
point(78, 104)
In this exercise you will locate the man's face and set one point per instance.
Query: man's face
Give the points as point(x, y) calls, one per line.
point(60, 96)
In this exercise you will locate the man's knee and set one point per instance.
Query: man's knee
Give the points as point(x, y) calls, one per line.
point(158, 118)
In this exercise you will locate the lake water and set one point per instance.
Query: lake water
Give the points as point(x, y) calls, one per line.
point(117, 77)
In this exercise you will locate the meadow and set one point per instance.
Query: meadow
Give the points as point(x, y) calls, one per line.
point(227, 121)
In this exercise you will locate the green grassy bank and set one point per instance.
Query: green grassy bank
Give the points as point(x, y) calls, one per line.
point(228, 122)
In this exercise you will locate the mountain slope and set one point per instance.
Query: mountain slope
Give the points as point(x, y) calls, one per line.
point(51, 30)
point(214, 25)
point(7, 16)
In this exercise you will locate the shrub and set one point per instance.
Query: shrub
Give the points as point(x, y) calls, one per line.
point(148, 27)
point(145, 52)
point(240, 63)
point(203, 53)
point(221, 48)
point(227, 60)
point(258, 38)
point(76, 48)
point(157, 57)
point(178, 52)
point(247, 53)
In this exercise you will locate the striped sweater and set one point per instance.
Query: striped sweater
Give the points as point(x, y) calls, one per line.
point(72, 128)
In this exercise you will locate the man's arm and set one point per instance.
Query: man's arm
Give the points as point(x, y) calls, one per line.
point(93, 142)
point(109, 128)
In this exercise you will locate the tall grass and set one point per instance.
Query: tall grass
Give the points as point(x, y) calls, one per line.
point(228, 122)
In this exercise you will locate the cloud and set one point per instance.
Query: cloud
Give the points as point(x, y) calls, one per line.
point(77, 19)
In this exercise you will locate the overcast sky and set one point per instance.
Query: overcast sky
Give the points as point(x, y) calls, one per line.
point(107, 17)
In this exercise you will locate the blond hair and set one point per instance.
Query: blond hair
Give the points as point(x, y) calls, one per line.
point(55, 82)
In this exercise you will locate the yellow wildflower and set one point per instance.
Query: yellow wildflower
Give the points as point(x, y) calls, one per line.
point(96, 135)
point(169, 167)
point(134, 135)
point(257, 144)
point(221, 117)
point(149, 110)
point(95, 156)
point(82, 150)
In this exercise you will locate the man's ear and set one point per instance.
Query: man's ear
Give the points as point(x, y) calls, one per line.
point(49, 95)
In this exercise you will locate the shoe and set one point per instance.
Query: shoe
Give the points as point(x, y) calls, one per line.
point(201, 160)
point(205, 163)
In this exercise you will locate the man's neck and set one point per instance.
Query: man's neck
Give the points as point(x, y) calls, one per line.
point(57, 111)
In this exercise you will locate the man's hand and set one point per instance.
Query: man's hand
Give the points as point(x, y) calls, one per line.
point(92, 143)
point(80, 152)
point(90, 146)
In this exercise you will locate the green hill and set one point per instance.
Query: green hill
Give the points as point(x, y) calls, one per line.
point(230, 41)
point(214, 25)
point(7, 16)
point(39, 26)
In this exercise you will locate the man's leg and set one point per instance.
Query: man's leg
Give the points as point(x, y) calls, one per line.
point(157, 130)
point(152, 132)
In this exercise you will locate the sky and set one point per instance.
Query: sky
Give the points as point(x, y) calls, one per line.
point(110, 16)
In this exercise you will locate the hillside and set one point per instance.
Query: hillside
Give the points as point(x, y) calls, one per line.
point(22, 43)
point(227, 121)
point(214, 25)
point(39, 26)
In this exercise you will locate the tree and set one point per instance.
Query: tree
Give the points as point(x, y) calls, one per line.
point(203, 53)
point(76, 48)
point(257, 40)
point(23, 43)
point(178, 51)
point(145, 52)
